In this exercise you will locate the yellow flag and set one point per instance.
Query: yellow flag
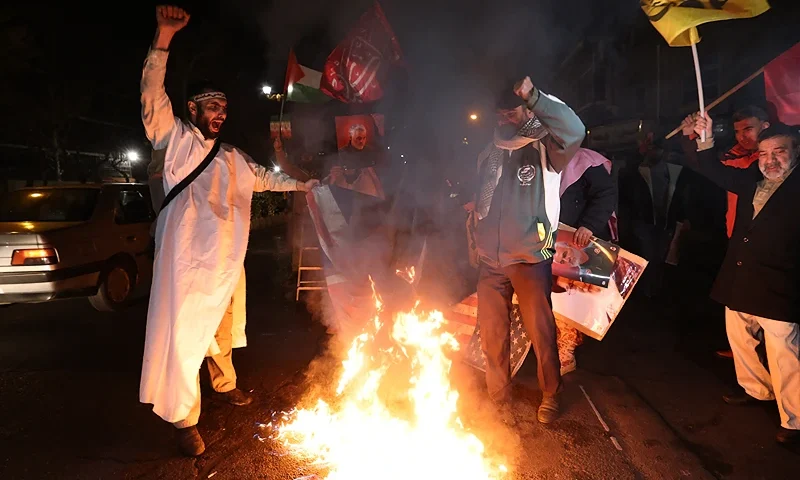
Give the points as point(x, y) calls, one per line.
point(676, 20)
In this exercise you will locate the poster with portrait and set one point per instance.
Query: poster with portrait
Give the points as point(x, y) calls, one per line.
point(359, 140)
point(280, 126)
point(592, 308)
point(589, 308)
point(592, 264)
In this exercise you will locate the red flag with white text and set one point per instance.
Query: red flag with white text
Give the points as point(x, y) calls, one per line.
point(356, 69)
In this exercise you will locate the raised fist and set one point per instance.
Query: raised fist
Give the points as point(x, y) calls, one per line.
point(171, 18)
point(523, 88)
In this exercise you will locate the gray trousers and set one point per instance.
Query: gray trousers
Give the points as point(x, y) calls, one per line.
point(532, 283)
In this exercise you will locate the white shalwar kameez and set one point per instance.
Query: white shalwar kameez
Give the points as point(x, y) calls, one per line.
point(201, 240)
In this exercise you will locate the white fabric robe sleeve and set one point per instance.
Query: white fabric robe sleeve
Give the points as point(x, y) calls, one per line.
point(268, 180)
point(157, 115)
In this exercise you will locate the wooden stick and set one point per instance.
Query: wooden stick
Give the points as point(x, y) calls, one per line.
point(699, 78)
point(280, 117)
point(724, 96)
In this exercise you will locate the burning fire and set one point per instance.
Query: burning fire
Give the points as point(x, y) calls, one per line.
point(394, 415)
point(408, 274)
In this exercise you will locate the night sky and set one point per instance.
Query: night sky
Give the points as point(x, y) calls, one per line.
point(77, 61)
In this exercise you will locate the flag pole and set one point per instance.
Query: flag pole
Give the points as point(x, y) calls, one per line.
point(700, 98)
point(280, 117)
point(723, 97)
point(283, 96)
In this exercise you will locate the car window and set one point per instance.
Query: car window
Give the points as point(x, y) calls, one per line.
point(133, 207)
point(48, 205)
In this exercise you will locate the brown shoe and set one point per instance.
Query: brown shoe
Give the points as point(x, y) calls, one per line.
point(724, 354)
point(236, 397)
point(190, 443)
point(741, 399)
point(786, 436)
point(549, 409)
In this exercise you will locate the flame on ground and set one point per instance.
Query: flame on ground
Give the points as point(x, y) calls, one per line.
point(415, 433)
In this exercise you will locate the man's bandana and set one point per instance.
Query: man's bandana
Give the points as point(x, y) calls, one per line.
point(533, 128)
point(208, 96)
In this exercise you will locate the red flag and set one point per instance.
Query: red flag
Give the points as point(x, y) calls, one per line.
point(357, 67)
point(782, 81)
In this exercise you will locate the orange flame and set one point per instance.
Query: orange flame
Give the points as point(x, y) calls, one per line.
point(408, 274)
point(364, 436)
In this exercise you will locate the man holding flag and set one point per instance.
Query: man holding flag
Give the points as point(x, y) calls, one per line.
point(677, 21)
point(758, 279)
point(748, 123)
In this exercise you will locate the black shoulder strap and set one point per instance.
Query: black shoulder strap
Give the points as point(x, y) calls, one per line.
point(190, 178)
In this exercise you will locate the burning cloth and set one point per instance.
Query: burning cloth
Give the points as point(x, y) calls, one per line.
point(348, 225)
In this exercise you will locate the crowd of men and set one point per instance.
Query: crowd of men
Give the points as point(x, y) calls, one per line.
point(532, 175)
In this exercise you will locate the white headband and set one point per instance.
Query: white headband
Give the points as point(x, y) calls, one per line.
point(208, 96)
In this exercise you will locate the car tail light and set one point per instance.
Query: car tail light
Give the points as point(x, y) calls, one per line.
point(38, 256)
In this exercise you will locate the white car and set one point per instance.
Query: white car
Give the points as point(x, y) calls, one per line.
point(75, 241)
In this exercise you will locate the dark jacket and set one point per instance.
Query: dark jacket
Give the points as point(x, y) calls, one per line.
point(636, 197)
point(590, 201)
point(641, 231)
point(523, 218)
point(761, 271)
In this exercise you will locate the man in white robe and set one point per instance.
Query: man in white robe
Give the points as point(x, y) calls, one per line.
point(201, 240)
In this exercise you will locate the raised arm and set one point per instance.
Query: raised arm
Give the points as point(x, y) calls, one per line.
point(705, 160)
point(268, 180)
point(566, 129)
point(157, 115)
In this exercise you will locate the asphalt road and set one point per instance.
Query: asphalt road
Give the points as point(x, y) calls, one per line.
point(69, 408)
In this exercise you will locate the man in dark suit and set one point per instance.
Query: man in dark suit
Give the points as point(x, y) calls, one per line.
point(759, 282)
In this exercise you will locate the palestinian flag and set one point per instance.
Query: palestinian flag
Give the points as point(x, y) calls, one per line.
point(302, 83)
